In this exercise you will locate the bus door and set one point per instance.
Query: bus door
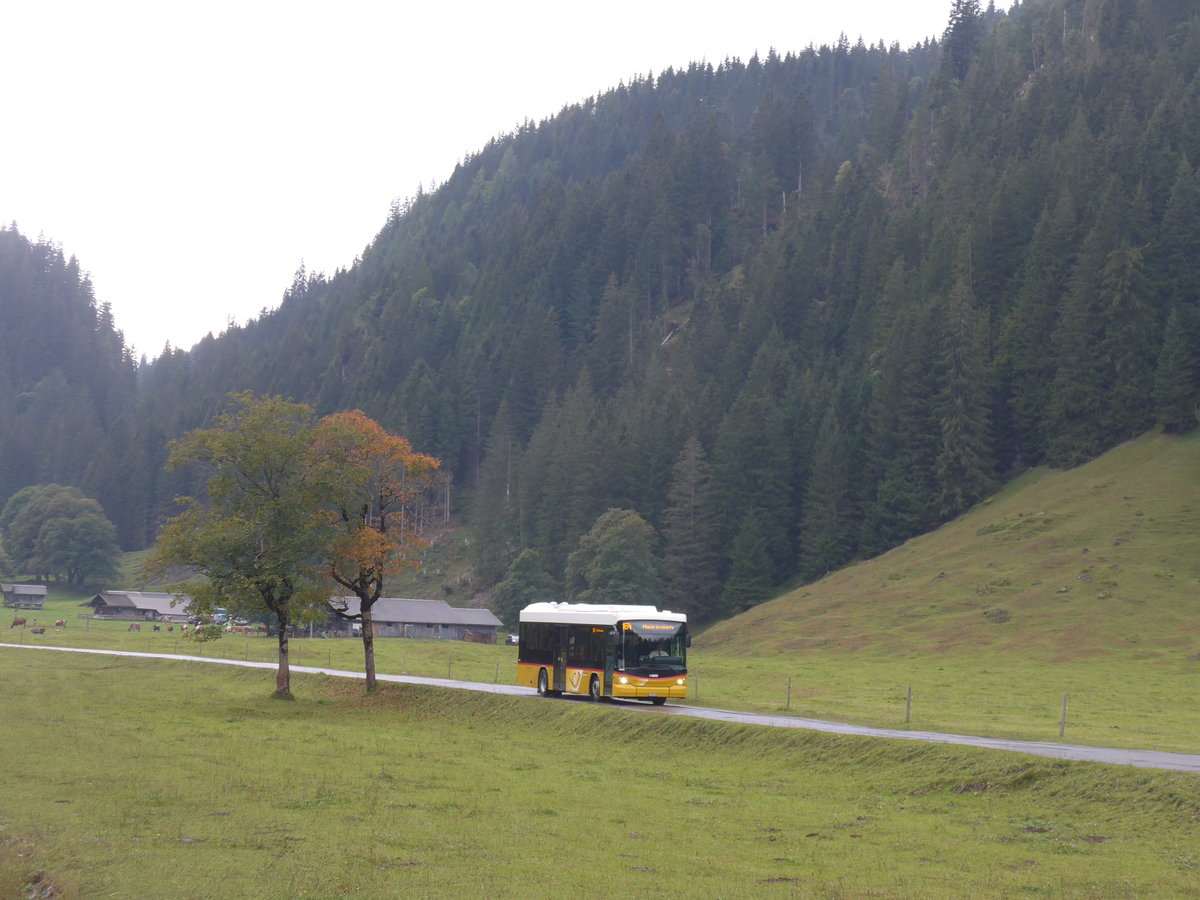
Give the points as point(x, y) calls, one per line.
point(560, 657)
point(612, 657)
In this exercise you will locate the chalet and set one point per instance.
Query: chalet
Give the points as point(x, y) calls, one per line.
point(141, 605)
point(24, 596)
point(393, 617)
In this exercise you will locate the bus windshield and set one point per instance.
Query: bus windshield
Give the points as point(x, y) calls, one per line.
point(645, 647)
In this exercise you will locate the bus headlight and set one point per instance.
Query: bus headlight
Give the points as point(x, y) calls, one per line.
point(679, 681)
point(622, 680)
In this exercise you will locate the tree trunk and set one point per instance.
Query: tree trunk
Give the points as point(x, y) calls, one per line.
point(283, 677)
point(368, 639)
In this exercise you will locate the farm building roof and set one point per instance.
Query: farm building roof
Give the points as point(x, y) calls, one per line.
point(161, 604)
point(419, 612)
point(32, 590)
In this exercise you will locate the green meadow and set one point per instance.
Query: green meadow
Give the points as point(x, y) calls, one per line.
point(157, 778)
point(132, 778)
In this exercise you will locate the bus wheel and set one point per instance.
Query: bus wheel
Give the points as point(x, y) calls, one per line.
point(594, 689)
point(543, 684)
point(658, 701)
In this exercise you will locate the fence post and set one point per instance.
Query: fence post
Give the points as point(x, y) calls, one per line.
point(1062, 725)
point(496, 679)
point(788, 705)
point(449, 668)
point(908, 706)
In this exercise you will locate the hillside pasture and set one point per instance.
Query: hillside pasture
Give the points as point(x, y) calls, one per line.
point(1084, 583)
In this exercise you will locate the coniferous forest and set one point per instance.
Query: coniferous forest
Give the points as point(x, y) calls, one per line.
point(792, 310)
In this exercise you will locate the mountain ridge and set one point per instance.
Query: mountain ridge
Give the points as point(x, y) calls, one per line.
point(901, 277)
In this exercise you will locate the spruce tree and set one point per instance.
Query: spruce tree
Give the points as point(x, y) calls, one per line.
point(962, 38)
point(1177, 380)
point(749, 581)
point(1025, 358)
point(964, 466)
point(828, 517)
point(690, 580)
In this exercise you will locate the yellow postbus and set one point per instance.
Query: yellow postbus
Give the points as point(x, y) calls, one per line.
point(630, 652)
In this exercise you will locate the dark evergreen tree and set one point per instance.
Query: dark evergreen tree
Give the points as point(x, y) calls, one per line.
point(690, 552)
point(963, 466)
point(749, 581)
point(962, 38)
point(828, 517)
point(1130, 344)
point(527, 582)
point(496, 535)
point(1177, 380)
point(904, 436)
point(1025, 358)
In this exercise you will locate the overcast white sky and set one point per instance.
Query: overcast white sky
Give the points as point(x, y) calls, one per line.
point(192, 155)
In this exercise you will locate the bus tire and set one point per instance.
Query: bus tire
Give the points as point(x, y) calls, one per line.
point(658, 701)
point(543, 687)
point(594, 690)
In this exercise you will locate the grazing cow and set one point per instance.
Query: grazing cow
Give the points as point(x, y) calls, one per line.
point(39, 630)
point(135, 626)
point(17, 622)
point(60, 623)
point(157, 627)
point(170, 628)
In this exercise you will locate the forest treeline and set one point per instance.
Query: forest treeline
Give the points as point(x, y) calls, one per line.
point(791, 311)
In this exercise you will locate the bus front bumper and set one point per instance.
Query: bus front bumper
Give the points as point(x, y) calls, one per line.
point(632, 688)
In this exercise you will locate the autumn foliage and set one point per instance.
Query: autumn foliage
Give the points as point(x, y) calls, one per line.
point(373, 479)
point(294, 505)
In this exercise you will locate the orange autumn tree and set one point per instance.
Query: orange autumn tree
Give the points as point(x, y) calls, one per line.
point(373, 479)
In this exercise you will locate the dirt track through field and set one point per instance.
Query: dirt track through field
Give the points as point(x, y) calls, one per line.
point(1147, 759)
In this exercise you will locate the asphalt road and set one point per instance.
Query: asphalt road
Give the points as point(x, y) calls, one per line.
point(1148, 759)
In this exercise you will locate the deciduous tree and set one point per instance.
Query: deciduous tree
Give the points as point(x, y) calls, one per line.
point(526, 582)
point(615, 561)
point(372, 479)
point(261, 532)
point(53, 529)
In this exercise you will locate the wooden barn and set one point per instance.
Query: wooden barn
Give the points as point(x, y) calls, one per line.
point(24, 596)
point(395, 617)
point(140, 606)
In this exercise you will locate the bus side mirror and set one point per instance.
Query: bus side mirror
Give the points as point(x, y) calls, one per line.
point(689, 640)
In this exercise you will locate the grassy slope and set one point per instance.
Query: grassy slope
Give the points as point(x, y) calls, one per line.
point(1060, 566)
point(1084, 582)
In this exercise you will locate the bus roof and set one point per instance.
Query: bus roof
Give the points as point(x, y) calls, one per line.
point(594, 613)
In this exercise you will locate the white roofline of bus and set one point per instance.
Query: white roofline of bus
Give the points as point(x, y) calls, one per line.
point(594, 613)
